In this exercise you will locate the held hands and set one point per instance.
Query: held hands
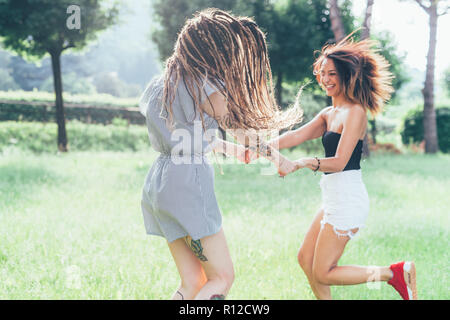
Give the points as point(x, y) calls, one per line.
point(300, 163)
point(250, 155)
point(241, 154)
point(284, 165)
point(287, 166)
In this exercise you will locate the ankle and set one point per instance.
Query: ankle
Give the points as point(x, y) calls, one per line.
point(386, 273)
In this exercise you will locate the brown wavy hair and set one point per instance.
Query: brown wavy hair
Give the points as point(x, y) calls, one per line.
point(230, 52)
point(363, 72)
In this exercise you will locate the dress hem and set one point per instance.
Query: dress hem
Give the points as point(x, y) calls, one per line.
point(197, 237)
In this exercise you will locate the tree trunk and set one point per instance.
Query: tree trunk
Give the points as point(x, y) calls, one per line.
point(365, 147)
point(60, 118)
point(429, 114)
point(367, 20)
point(279, 89)
point(364, 35)
point(336, 22)
point(373, 130)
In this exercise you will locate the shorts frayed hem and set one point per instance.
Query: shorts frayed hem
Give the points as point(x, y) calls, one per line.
point(342, 232)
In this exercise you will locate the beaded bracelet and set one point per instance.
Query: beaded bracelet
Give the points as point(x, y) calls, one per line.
point(318, 164)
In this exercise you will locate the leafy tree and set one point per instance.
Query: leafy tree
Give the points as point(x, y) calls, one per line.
point(388, 49)
point(6, 81)
point(447, 80)
point(109, 82)
point(172, 15)
point(34, 28)
point(29, 75)
point(294, 29)
point(72, 83)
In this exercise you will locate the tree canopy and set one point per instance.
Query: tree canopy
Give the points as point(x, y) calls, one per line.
point(294, 28)
point(33, 28)
point(37, 27)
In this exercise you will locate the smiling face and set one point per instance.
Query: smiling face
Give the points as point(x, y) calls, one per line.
point(329, 78)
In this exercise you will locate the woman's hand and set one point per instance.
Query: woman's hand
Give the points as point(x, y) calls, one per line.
point(230, 149)
point(241, 153)
point(250, 155)
point(300, 163)
point(286, 166)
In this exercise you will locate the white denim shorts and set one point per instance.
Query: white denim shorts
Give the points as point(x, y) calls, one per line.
point(345, 201)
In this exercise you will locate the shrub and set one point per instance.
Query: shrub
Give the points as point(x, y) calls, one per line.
point(111, 84)
point(71, 83)
point(6, 81)
point(46, 113)
point(39, 137)
point(412, 131)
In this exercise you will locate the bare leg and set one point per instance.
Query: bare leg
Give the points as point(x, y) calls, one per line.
point(306, 257)
point(214, 256)
point(191, 272)
point(328, 251)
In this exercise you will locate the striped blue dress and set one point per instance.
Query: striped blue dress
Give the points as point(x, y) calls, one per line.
point(178, 196)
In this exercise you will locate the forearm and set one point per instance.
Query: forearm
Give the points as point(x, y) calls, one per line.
point(266, 150)
point(286, 140)
point(229, 148)
point(294, 138)
point(256, 145)
point(332, 164)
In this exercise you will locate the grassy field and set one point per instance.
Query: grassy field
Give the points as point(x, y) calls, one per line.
point(71, 227)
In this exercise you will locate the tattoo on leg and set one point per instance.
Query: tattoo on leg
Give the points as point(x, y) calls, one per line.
point(197, 249)
point(182, 297)
point(217, 297)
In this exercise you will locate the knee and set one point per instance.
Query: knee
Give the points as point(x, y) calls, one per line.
point(305, 260)
point(225, 277)
point(228, 277)
point(321, 275)
point(193, 282)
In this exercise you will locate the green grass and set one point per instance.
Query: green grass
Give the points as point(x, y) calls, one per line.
point(71, 227)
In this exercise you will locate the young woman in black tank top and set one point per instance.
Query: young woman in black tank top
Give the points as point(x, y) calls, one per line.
point(358, 80)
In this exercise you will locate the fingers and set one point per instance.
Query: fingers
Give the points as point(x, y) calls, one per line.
point(247, 156)
point(250, 156)
point(299, 164)
point(286, 166)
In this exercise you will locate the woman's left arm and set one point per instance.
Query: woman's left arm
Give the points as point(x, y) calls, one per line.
point(353, 128)
point(229, 148)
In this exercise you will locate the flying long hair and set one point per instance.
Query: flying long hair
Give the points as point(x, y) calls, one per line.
point(231, 53)
point(363, 73)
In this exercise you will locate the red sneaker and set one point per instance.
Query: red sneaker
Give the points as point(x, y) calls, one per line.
point(404, 279)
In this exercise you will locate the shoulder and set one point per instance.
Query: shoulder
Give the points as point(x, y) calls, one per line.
point(325, 111)
point(356, 119)
point(357, 112)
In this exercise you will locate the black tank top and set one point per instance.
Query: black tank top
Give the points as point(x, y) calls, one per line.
point(330, 141)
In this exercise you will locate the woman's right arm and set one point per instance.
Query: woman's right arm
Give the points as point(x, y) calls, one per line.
point(312, 130)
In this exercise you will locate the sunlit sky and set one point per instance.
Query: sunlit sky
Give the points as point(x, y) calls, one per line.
point(408, 22)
